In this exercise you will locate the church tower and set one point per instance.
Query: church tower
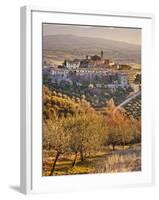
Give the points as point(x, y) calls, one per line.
point(101, 54)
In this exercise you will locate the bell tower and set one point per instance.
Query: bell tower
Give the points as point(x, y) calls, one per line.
point(101, 54)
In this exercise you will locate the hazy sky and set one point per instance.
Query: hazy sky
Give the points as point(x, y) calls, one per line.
point(129, 35)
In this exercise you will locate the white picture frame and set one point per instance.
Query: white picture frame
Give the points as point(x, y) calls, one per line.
point(31, 100)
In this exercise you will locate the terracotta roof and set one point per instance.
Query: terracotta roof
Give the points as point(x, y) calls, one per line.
point(96, 57)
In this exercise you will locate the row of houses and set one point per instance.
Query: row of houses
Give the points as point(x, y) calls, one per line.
point(93, 77)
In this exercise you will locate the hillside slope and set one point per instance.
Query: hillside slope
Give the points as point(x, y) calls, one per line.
point(81, 46)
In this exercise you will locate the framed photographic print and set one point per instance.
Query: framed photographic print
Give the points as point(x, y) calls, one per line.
point(86, 100)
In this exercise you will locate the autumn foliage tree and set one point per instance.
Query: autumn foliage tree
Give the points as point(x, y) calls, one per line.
point(122, 130)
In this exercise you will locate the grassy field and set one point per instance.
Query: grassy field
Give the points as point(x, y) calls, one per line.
point(123, 159)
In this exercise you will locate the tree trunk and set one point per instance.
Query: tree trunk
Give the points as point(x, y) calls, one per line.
point(54, 163)
point(113, 147)
point(81, 155)
point(74, 162)
point(85, 155)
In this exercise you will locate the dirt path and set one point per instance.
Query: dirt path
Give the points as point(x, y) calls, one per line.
point(126, 101)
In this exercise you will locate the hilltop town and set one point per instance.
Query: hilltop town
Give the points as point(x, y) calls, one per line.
point(96, 77)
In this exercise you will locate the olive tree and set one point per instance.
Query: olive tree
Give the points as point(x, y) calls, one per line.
point(57, 138)
point(86, 133)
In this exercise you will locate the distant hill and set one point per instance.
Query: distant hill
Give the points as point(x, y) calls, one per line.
point(76, 46)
